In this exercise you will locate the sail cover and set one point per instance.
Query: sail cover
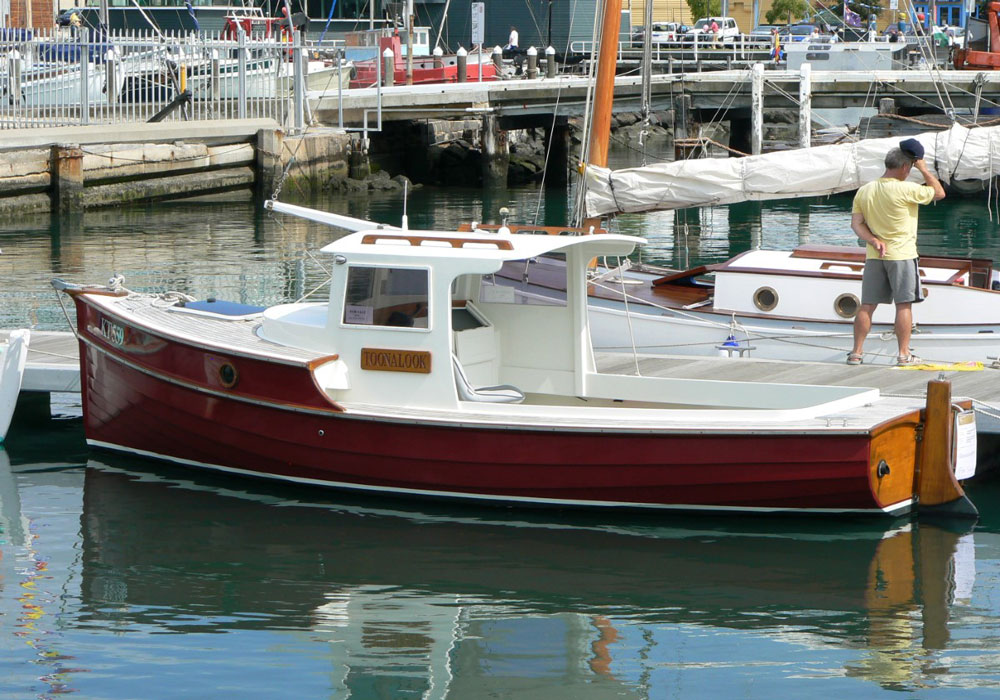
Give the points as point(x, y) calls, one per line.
point(958, 153)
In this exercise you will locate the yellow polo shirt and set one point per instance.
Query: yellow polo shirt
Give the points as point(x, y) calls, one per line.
point(890, 210)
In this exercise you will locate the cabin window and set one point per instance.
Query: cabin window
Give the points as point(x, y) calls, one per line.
point(846, 305)
point(393, 297)
point(765, 298)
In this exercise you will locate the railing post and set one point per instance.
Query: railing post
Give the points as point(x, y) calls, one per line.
point(498, 58)
point(14, 76)
point(298, 81)
point(532, 63)
point(216, 77)
point(111, 69)
point(84, 75)
point(241, 51)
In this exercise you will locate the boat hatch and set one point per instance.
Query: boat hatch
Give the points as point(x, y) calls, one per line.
point(219, 308)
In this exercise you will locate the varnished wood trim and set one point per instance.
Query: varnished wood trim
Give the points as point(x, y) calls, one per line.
point(524, 228)
point(852, 266)
point(829, 252)
point(97, 292)
point(894, 442)
point(313, 364)
point(679, 275)
point(372, 238)
point(936, 483)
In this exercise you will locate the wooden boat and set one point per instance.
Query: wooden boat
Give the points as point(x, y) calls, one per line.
point(420, 377)
point(13, 355)
point(780, 305)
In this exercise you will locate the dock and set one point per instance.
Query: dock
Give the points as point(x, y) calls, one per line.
point(53, 362)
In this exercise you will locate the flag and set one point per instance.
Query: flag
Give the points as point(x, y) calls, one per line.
point(194, 19)
point(851, 19)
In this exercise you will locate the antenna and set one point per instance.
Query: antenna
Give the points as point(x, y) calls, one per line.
point(406, 221)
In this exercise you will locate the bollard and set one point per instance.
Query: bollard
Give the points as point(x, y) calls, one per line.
point(388, 67)
point(498, 58)
point(462, 58)
point(532, 63)
point(550, 62)
point(438, 57)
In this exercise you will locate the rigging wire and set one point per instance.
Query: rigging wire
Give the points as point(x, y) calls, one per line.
point(581, 190)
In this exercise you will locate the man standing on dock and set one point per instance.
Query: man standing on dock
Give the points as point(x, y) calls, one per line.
point(885, 216)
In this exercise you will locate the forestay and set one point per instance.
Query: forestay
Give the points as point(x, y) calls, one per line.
point(958, 153)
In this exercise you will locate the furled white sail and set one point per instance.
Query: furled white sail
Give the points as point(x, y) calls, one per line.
point(958, 153)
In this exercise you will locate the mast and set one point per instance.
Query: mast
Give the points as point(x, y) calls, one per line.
point(604, 92)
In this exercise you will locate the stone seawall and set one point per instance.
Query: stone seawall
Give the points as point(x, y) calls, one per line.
point(76, 176)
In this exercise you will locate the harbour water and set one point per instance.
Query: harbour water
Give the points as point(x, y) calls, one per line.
point(123, 578)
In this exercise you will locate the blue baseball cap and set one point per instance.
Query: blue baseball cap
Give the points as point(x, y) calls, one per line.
point(912, 148)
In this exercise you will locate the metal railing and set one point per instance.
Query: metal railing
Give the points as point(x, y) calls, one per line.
point(79, 76)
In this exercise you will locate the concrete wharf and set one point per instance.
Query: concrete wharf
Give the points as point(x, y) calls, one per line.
point(53, 366)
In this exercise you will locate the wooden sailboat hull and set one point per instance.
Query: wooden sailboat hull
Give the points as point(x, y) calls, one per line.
point(165, 398)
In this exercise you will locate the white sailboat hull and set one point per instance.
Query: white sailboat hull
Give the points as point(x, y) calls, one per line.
point(13, 356)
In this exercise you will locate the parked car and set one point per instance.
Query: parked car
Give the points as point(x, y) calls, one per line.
point(763, 31)
point(728, 29)
point(799, 32)
point(662, 32)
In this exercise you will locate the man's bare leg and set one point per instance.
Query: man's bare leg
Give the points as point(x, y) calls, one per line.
point(904, 325)
point(862, 325)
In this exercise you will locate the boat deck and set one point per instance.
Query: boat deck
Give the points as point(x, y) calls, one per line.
point(53, 362)
point(982, 386)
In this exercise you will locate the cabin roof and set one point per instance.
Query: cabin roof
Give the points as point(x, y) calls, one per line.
point(430, 246)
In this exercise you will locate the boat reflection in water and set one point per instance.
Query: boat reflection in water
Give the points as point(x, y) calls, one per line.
point(462, 603)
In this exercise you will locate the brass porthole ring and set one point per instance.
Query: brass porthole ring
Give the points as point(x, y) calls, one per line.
point(846, 305)
point(765, 298)
point(228, 376)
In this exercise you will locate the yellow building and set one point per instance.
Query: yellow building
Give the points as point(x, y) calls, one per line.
point(678, 11)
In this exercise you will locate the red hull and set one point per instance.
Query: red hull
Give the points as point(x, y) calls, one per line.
point(366, 74)
point(157, 396)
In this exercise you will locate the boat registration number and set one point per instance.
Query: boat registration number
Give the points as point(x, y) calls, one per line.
point(418, 361)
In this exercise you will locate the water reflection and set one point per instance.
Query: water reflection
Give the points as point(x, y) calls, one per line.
point(420, 599)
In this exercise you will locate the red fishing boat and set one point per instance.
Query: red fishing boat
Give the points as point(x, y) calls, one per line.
point(420, 376)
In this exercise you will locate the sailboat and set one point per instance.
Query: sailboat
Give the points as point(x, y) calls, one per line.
point(420, 376)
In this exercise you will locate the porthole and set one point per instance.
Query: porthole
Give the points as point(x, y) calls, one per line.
point(228, 376)
point(765, 298)
point(846, 305)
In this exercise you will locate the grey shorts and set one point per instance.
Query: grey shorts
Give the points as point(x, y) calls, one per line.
point(890, 281)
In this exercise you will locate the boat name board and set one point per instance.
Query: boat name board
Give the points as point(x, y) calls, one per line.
point(418, 361)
